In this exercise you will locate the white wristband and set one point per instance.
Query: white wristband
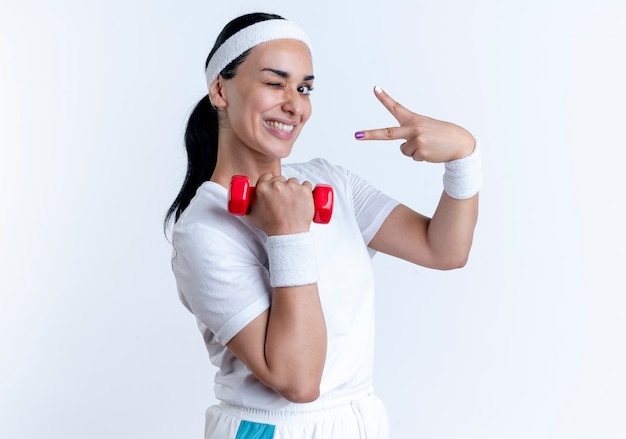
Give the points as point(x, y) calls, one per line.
point(462, 178)
point(292, 260)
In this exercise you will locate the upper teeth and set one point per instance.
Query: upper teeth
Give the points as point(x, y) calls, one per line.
point(280, 126)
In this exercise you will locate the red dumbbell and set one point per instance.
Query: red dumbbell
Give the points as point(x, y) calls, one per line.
point(241, 196)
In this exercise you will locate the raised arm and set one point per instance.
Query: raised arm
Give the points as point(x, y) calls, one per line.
point(285, 347)
point(443, 241)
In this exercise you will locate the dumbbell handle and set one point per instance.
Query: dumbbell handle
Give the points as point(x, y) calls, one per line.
point(241, 196)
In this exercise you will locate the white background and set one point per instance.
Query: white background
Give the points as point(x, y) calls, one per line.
point(527, 341)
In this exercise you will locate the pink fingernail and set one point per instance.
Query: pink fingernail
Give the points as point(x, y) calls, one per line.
point(359, 134)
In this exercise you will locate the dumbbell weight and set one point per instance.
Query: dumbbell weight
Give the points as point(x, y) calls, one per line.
point(241, 196)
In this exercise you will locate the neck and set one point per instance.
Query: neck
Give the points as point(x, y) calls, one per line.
point(242, 161)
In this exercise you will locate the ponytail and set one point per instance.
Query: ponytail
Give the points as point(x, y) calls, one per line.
point(202, 128)
point(201, 145)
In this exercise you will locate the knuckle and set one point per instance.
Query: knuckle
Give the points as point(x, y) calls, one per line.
point(421, 153)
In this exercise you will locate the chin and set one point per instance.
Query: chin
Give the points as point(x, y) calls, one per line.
point(284, 155)
point(282, 151)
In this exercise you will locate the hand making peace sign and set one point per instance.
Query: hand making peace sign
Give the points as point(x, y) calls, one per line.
point(427, 139)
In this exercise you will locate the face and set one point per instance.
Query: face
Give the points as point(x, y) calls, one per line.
point(267, 103)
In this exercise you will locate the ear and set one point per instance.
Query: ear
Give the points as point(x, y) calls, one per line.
point(216, 93)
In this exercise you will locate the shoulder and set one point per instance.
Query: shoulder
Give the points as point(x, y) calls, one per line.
point(206, 224)
point(206, 208)
point(317, 171)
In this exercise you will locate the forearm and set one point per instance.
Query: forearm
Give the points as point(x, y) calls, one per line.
point(295, 345)
point(285, 347)
point(451, 231)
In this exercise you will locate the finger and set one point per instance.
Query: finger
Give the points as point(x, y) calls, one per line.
point(409, 149)
point(270, 180)
point(308, 185)
point(406, 149)
point(264, 177)
point(395, 108)
point(279, 179)
point(391, 133)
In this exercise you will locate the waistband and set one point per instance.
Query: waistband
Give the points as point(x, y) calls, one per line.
point(329, 405)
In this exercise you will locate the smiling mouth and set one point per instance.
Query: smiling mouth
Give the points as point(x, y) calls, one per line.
point(280, 126)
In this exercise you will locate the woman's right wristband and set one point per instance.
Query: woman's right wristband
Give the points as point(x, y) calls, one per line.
point(292, 260)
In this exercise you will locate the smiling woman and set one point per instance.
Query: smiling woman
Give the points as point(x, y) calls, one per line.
point(286, 307)
point(263, 108)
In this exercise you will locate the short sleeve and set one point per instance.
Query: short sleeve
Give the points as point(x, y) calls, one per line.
point(222, 279)
point(371, 206)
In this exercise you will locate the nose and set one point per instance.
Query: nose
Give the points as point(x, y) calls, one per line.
point(295, 103)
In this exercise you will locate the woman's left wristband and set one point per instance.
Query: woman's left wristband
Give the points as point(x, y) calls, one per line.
point(462, 178)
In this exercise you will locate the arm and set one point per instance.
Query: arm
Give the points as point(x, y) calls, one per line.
point(443, 241)
point(285, 347)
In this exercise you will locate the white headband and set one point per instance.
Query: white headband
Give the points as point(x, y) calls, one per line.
point(249, 37)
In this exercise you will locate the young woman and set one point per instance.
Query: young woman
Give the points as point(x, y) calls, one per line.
point(286, 306)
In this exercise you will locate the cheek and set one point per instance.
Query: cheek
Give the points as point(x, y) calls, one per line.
point(265, 101)
point(255, 105)
point(246, 109)
point(308, 112)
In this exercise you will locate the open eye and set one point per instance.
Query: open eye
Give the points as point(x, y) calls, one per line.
point(305, 89)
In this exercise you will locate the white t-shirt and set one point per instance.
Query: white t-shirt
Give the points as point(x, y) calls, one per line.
point(220, 264)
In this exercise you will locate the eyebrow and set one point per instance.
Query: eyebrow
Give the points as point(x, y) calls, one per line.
point(284, 74)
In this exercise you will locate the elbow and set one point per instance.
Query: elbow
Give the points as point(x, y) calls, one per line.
point(300, 388)
point(459, 262)
point(297, 382)
point(452, 262)
point(294, 389)
point(300, 393)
